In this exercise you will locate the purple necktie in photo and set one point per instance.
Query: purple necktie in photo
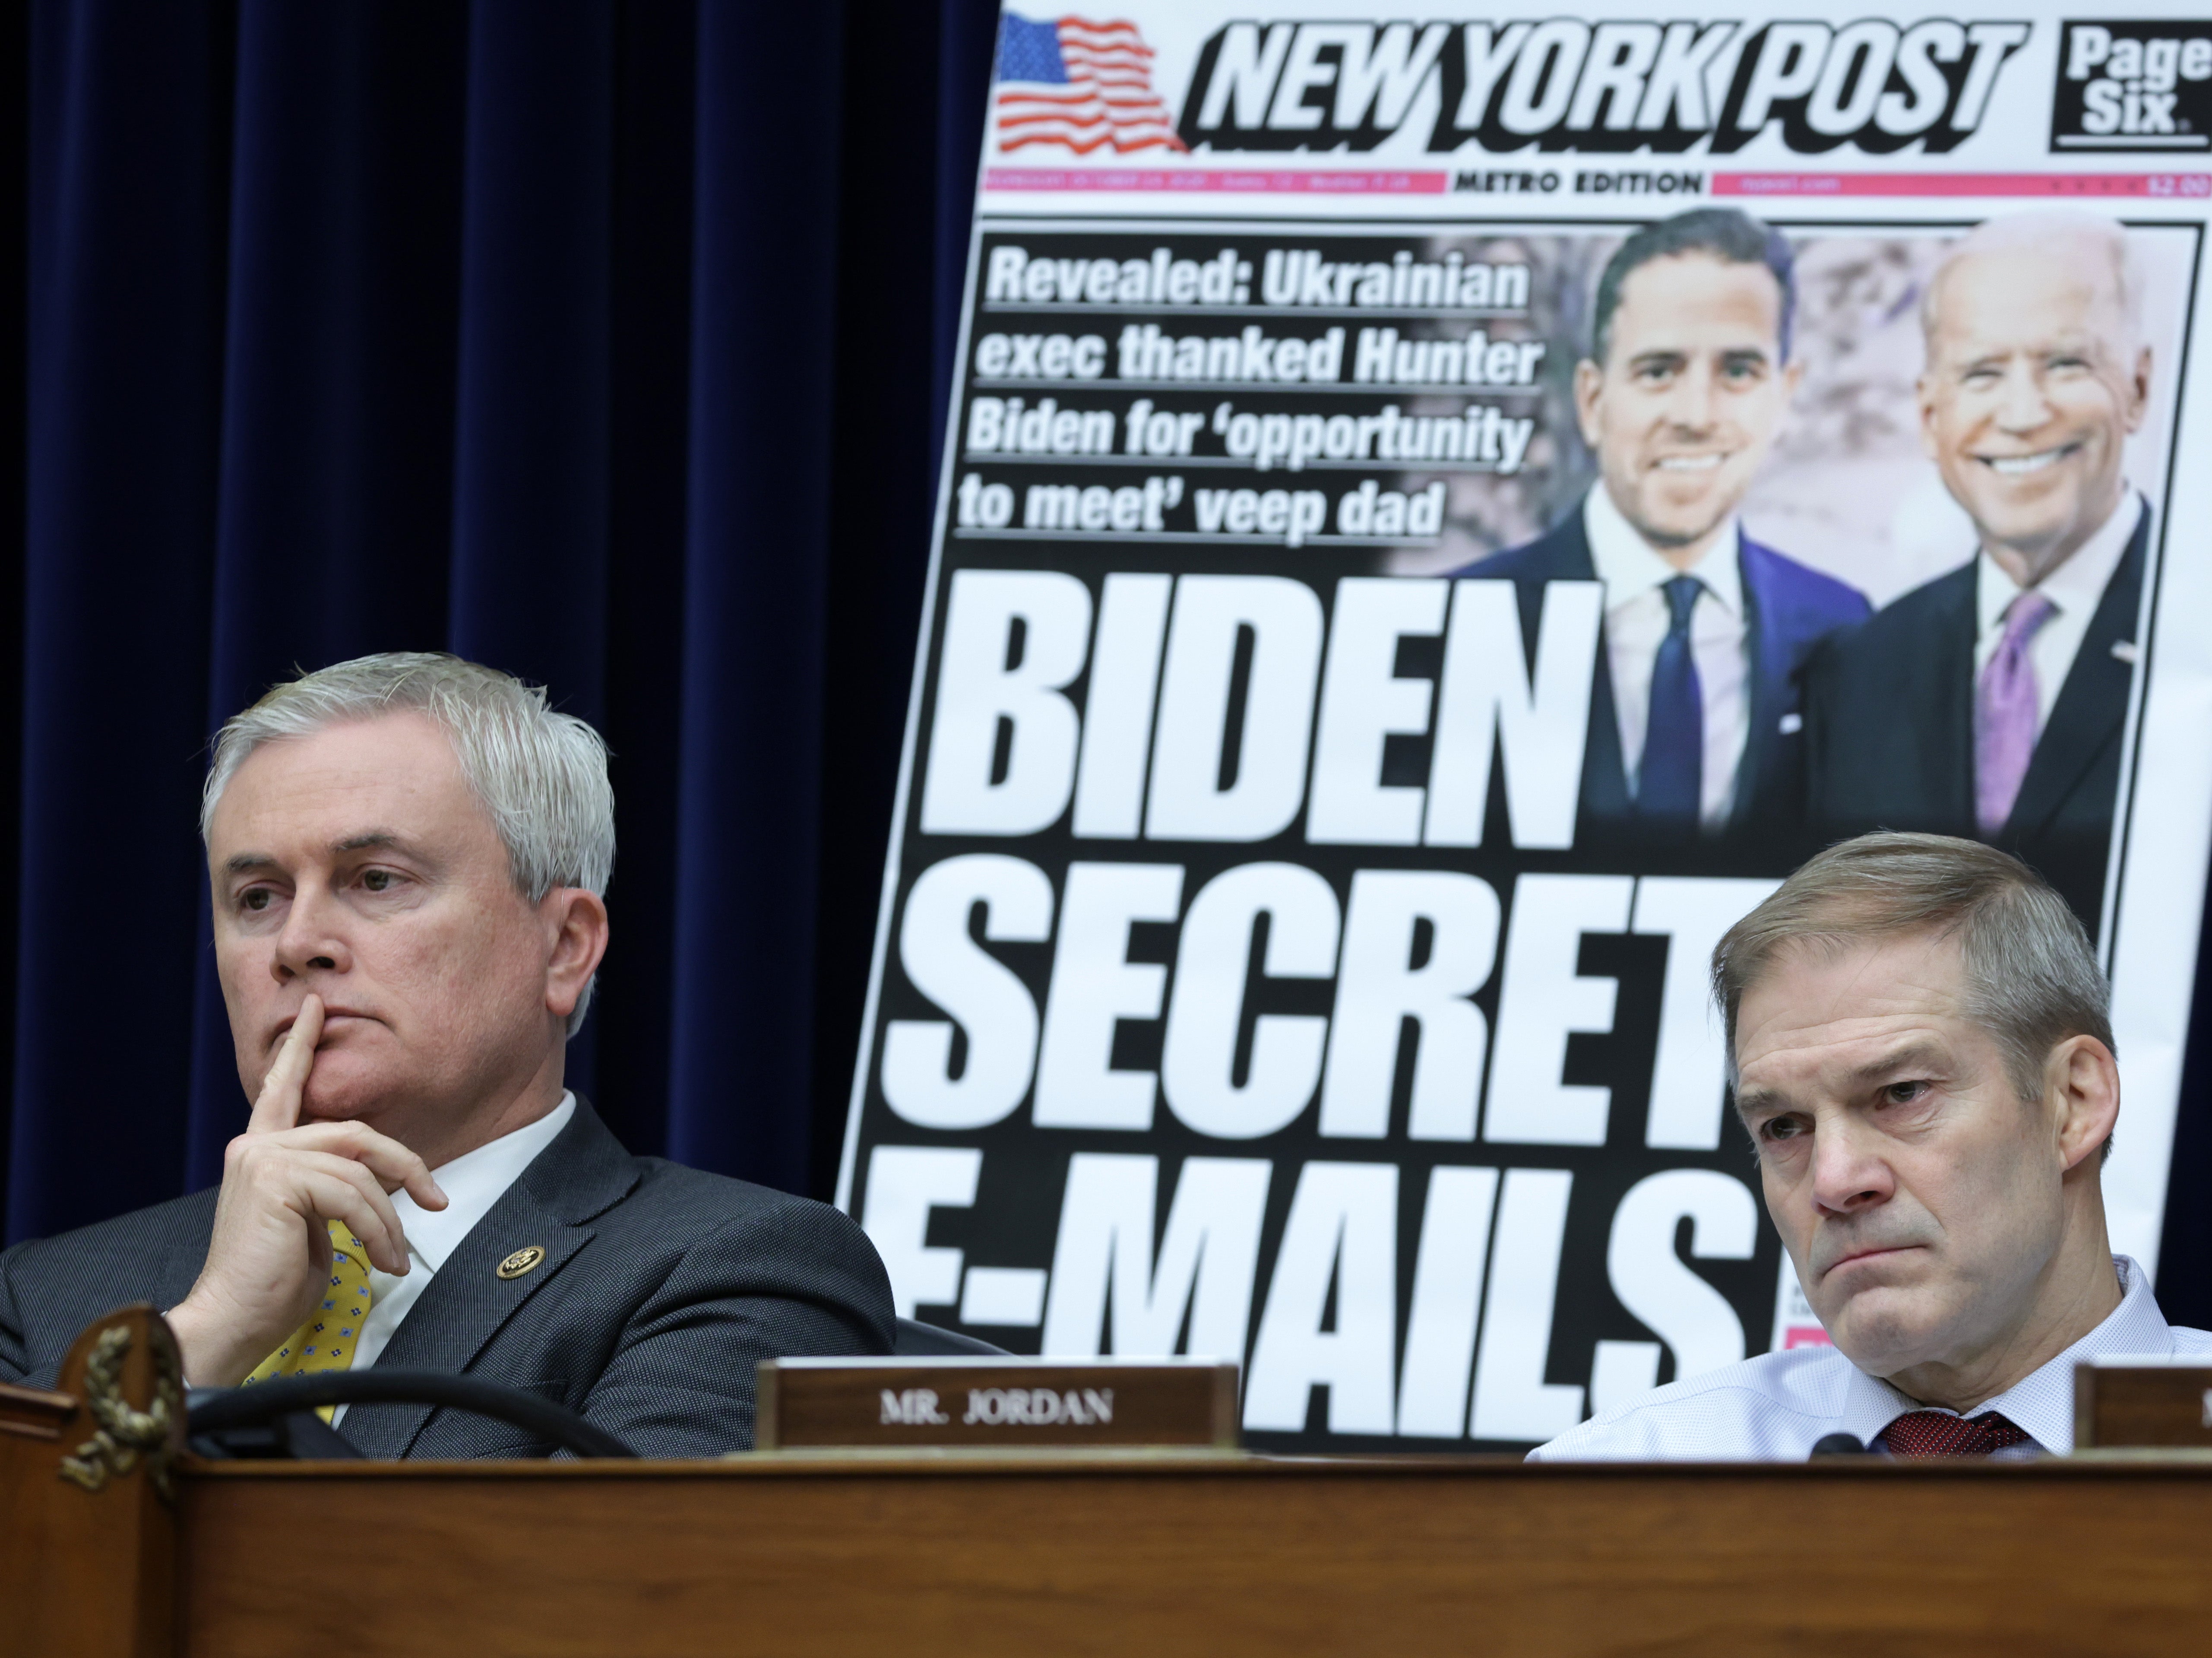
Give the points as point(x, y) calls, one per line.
point(2005, 714)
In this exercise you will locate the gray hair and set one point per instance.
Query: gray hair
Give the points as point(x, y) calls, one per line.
point(541, 775)
point(2065, 230)
point(2032, 977)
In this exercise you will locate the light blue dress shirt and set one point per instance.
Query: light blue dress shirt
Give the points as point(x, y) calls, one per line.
point(1776, 1407)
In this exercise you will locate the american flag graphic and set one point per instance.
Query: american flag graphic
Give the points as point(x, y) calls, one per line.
point(1080, 85)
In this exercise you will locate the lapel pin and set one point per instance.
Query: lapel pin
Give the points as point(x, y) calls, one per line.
point(2124, 651)
point(521, 1262)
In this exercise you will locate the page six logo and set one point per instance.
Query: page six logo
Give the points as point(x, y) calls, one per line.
point(2140, 86)
point(1562, 84)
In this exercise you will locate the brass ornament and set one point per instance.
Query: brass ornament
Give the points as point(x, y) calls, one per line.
point(125, 1434)
point(521, 1262)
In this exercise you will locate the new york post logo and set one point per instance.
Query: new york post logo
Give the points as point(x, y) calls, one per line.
point(2140, 86)
point(1563, 84)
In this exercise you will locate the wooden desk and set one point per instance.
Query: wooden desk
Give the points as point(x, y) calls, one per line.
point(1207, 1555)
point(1194, 1552)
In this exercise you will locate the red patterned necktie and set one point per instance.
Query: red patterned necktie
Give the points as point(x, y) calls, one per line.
point(1938, 1433)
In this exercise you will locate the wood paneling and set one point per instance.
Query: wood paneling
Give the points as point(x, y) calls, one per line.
point(1164, 1552)
point(2145, 1404)
point(1171, 1554)
point(89, 1573)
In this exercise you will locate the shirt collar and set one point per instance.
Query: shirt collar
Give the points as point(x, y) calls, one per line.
point(472, 1183)
point(1625, 563)
point(2042, 1402)
point(2076, 586)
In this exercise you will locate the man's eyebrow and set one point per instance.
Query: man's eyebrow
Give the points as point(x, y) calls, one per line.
point(1657, 359)
point(1757, 1100)
point(368, 841)
point(1913, 1056)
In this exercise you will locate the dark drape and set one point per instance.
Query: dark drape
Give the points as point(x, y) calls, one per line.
point(606, 341)
point(755, 568)
point(549, 332)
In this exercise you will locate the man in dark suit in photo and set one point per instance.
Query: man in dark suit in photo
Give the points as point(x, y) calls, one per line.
point(407, 855)
point(1990, 702)
point(1687, 381)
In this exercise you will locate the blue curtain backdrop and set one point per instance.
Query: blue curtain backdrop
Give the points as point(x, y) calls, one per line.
point(605, 341)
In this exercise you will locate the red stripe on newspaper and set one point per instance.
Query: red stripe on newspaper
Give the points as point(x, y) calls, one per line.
point(1963, 184)
point(1309, 183)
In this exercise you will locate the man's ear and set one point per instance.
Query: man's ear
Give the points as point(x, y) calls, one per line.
point(576, 926)
point(2084, 1079)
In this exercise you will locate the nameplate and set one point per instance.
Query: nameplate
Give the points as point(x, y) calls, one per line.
point(2120, 1402)
point(995, 1403)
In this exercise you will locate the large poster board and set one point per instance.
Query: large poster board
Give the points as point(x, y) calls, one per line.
point(1321, 796)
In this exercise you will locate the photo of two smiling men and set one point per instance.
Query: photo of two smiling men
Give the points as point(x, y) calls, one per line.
point(1745, 688)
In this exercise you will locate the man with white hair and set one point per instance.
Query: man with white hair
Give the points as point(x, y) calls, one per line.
point(1920, 1047)
point(408, 854)
point(1991, 701)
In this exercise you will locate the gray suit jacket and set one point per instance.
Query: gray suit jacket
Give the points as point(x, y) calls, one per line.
point(661, 1289)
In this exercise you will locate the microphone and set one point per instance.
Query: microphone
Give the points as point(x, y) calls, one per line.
point(1837, 1445)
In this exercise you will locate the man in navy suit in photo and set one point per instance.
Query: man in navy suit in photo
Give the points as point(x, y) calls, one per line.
point(1694, 716)
point(1992, 702)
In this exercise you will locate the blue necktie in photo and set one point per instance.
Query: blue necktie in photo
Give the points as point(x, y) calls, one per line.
point(1670, 783)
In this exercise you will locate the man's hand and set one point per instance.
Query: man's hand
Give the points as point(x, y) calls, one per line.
point(270, 1257)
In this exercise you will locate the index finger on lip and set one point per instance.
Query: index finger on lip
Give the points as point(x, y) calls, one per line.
point(277, 1105)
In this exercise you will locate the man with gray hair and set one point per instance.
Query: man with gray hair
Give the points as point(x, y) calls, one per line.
point(408, 857)
point(1991, 701)
point(1921, 1052)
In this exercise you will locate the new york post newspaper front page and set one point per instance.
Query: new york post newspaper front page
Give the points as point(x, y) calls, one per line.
point(1440, 514)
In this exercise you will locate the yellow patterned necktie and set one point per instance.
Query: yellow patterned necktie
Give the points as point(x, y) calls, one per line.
point(327, 1340)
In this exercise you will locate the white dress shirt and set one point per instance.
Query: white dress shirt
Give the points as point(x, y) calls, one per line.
point(2075, 589)
point(1637, 618)
point(1776, 1407)
point(472, 1183)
